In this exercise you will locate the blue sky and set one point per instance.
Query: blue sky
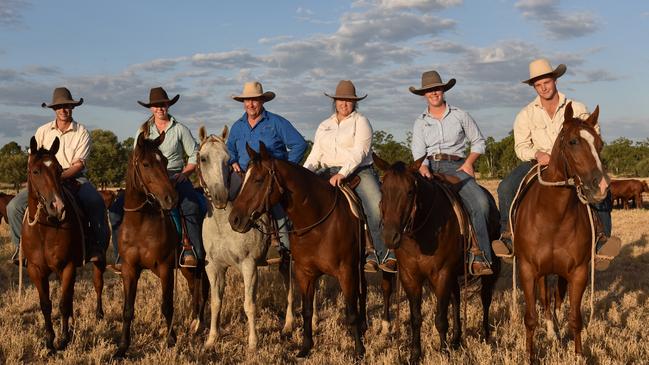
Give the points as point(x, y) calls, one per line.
point(112, 52)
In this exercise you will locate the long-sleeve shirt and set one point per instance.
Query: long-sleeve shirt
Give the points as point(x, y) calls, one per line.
point(178, 142)
point(74, 142)
point(346, 144)
point(282, 140)
point(535, 130)
point(448, 135)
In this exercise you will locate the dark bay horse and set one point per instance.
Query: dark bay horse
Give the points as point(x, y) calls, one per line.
point(4, 200)
point(552, 229)
point(325, 239)
point(420, 224)
point(52, 240)
point(148, 238)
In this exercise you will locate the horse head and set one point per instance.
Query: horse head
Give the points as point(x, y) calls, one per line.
point(44, 178)
point(213, 169)
point(148, 172)
point(398, 198)
point(259, 192)
point(576, 155)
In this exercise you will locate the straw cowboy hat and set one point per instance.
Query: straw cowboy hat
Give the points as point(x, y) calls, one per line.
point(158, 96)
point(62, 96)
point(346, 90)
point(429, 80)
point(541, 68)
point(254, 90)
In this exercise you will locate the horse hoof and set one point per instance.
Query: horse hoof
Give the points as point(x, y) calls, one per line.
point(99, 315)
point(171, 339)
point(303, 353)
point(195, 326)
point(120, 354)
point(385, 328)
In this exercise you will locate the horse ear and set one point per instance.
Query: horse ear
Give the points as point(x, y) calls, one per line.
point(55, 146)
point(161, 138)
point(251, 153)
point(593, 117)
point(33, 146)
point(140, 140)
point(568, 114)
point(202, 133)
point(265, 155)
point(224, 133)
point(415, 165)
point(380, 163)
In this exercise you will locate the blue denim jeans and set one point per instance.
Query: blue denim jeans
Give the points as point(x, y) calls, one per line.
point(190, 209)
point(474, 199)
point(89, 200)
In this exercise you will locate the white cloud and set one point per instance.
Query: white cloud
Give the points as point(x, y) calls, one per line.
point(11, 12)
point(558, 23)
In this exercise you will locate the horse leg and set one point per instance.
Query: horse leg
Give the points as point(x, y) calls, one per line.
point(65, 304)
point(412, 287)
point(193, 277)
point(486, 296)
point(528, 278)
point(249, 272)
point(166, 273)
point(386, 287)
point(443, 289)
point(40, 280)
point(575, 293)
point(130, 276)
point(545, 295)
point(288, 284)
point(362, 304)
point(457, 321)
point(349, 283)
point(307, 289)
point(98, 282)
point(216, 277)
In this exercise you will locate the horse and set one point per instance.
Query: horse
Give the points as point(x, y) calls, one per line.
point(624, 190)
point(552, 230)
point(148, 239)
point(52, 240)
point(4, 200)
point(420, 225)
point(326, 237)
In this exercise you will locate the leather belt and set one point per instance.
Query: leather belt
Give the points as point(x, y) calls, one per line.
point(443, 157)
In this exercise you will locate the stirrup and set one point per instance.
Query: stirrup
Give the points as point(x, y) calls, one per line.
point(181, 257)
point(486, 271)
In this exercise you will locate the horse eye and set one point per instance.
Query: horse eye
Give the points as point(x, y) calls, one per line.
point(203, 159)
point(146, 164)
point(35, 172)
point(574, 141)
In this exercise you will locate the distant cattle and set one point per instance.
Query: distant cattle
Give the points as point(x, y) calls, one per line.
point(625, 190)
point(4, 200)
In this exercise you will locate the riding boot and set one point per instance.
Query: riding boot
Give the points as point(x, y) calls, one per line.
point(478, 265)
point(15, 259)
point(188, 257)
point(371, 258)
point(503, 247)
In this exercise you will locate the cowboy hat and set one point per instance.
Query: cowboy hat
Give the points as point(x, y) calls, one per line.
point(157, 96)
point(254, 90)
point(429, 80)
point(346, 90)
point(62, 96)
point(541, 68)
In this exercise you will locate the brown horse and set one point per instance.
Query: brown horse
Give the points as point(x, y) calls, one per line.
point(419, 223)
point(148, 238)
point(4, 200)
point(326, 238)
point(552, 229)
point(52, 240)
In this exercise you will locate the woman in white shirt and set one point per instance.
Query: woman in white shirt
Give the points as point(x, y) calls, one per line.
point(343, 146)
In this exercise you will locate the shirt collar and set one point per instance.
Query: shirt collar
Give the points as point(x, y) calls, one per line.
point(449, 107)
point(264, 116)
point(562, 101)
point(71, 128)
point(152, 127)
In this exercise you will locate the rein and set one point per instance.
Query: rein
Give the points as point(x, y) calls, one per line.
point(571, 181)
point(147, 193)
point(413, 212)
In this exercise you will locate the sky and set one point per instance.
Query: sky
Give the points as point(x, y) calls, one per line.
point(112, 52)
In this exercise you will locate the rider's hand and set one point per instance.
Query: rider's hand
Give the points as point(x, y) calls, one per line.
point(425, 171)
point(336, 179)
point(236, 167)
point(468, 168)
point(542, 158)
point(179, 177)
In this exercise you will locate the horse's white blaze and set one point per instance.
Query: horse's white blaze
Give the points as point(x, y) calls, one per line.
point(157, 157)
point(591, 142)
point(47, 163)
point(245, 178)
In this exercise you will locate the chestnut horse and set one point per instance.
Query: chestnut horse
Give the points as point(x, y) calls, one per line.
point(52, 240)
point(420, 225)
point(4, 200)
point(552, 229)
point(148, 238)
point(325, 239)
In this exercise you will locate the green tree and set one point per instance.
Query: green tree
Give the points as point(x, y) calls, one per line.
point(106, 164)
point(499, 158)
point(13, 165)
point(387, 148)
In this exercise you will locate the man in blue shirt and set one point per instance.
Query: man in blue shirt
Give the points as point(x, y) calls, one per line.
point(257, 124)
point(440, 133)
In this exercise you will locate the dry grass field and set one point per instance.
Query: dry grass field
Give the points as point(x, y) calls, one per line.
point(618, 334)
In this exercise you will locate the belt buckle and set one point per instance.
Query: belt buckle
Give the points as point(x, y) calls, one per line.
point(437, 157)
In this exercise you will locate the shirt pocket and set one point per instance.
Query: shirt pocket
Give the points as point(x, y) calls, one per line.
point(433, 133)
point(268, 135)
point(453, 133)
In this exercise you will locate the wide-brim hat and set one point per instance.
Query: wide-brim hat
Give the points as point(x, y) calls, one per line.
point(346, 90)
point(158, 96)
point(541, 68)
point(62, 96)
point(430, 80)
point(254, 89)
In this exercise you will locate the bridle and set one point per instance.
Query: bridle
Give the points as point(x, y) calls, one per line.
point(408, 226)
point(149, 197)
point(201, 180)
point(265, 205)
point(42, 202)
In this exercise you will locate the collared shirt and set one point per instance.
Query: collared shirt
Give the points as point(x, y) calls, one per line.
point(178, 142)
point(74, 142)
point(282, 140)
point(346, 144)
point(448, 135)
point(535, 130)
